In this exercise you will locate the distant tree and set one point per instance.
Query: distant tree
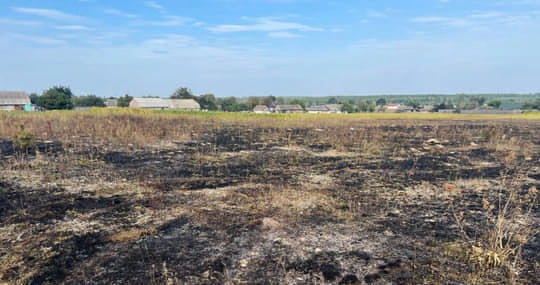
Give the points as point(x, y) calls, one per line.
point(208, 102)
point(239, 107)
point(443, 106)
point(57, 98)
point(34, 98)
point(269, 100)
point(183, 93)
point(88, 101)
point(348, 108)
point(535, 105)
point(381, 102)
point(366, 106)
point(413, 104)
point(298, 102)
point(124, 101)
point(495, 104)
point(227, 104)
point(332, 100)
point(478, 101)
point(280, 100)
point(253, 101)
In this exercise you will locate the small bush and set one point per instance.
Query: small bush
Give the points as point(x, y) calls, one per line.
point(24, 140)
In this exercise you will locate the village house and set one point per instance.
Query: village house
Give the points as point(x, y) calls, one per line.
point(393, 107)
point(165, 104)
point(317, 109)
point(447, 111)
point(184, 104)
point(14, 100)
point(111, 103)
point(324, 109)
point(289, 109)
point(261, 109)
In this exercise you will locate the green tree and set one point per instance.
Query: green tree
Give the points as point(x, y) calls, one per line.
point(348, 108)
point(269, 100)
point(57, 98)
point(381, 102)
point(227, 104)
point(366, 106)
point(208, 102)
point(413, 104)
point(253, 101)
point(532, 105)
point(495, 104)
point(88, 101)
point(298, 102)
point(124, 101)
point(332, 100)
point(34, 98)
point(183, 93)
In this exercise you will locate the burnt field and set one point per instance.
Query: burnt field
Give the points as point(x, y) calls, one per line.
point(190, 199)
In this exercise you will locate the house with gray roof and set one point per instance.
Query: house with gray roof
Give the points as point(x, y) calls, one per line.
point(13, 100)
point(324, 109)
point(165, 104)
point(289, 109)
point(261, 109)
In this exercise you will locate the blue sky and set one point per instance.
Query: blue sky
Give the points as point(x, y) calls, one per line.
point(279, 47)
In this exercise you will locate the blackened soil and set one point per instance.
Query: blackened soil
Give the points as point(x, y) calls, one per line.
point(204, 211)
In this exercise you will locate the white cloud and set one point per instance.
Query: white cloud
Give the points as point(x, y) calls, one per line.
point(445, 21)
point(13, 22)
point(284, 35)
point(167, 21)
point(376, 14)
point(73, 28)
point(50, 14)
point(120, 13)
point(153, 4)
point(37, 39)
point(264, 25)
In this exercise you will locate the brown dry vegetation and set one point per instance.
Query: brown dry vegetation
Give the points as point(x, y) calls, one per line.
point(134, 197)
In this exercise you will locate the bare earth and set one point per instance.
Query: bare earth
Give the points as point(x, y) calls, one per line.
point(416, 202)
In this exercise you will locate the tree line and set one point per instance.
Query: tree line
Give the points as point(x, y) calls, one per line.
point(61, 97)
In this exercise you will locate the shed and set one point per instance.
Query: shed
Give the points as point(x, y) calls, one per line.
point(334, 108)
point(183, 104)
point(163, 104)
point(13, 100)
point(149, 103)
point(289, 109)
point(261, 109)
point(111, 103)
point(317, 109)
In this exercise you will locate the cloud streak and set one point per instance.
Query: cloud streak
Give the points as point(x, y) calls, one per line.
point(264, 25)
point(50, 14)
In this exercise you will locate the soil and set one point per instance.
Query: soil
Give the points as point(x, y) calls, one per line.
point(261, 206)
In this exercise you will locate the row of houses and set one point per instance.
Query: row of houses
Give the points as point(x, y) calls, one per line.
point(19, 100)
point(294, 108)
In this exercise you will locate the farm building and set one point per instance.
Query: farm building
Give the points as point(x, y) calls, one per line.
point(165, 104)
point(111, 103)
point(447, 111)
point(317, 109)
point(393, 107)
point(324, 109)
point(13, 100)
point(261, 109)
point(289, 109)
point(184, 104)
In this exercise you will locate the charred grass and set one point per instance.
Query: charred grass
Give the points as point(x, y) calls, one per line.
point(134, 197)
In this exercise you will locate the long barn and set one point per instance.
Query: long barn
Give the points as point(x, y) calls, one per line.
point(13, 100)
